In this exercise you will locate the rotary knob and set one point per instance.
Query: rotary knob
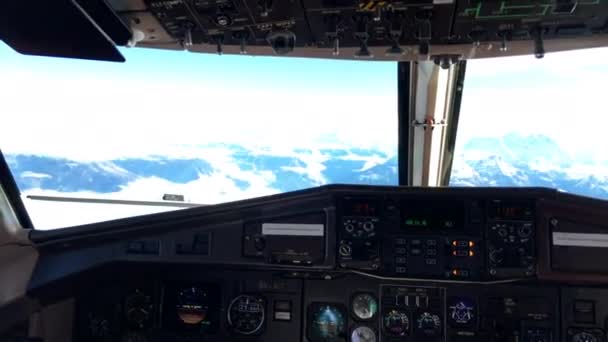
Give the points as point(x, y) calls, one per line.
point(497, 256)
point(345, 250)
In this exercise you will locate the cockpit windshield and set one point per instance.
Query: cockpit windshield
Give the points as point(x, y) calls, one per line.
point(527, 122)
point(190, 128)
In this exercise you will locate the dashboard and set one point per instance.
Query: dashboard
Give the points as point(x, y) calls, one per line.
point(341, 264)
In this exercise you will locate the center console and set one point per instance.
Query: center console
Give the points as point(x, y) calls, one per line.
point(441, 239)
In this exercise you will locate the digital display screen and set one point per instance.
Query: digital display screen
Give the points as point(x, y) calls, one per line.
point(192, 308)
point(507, 210)
point(326, 322)
point(432, 215)
point(361, 208)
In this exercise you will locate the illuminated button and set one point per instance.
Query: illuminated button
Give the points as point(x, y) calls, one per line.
point(400, 260)
point(460, 253)
point(431, 242)
point(460, 243)
point(400, 241)
point(431, 261)
point(460, 273)
point(416, 242)
point(416, 251)
point(400, 270)
point(431, 252)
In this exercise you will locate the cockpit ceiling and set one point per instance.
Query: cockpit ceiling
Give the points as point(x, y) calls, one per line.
point(370, 30)
point(442, 31)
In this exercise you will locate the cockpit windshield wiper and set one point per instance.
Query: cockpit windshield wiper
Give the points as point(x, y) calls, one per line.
point(114, 201)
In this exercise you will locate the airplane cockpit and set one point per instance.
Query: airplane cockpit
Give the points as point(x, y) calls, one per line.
point(259, 233)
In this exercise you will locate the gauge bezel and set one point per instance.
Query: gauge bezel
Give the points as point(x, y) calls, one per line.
point(352, 306)
point(260, 326)
point(408, 314)
point(314, 306)
point(355, 327)
point(421, 331)
point(170, 301)
point(475, 309)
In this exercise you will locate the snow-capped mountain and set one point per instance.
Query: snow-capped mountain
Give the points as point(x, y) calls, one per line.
point(535, 160)
point(237, 172)
point(234, 172)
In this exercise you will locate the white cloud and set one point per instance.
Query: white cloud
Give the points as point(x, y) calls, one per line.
point(571, 112)
point(100, 119)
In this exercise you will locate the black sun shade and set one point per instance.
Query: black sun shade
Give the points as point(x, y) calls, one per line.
point(85, 29)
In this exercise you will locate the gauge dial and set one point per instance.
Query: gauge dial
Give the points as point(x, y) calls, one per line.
point(326, 322)
point(138, 308)
point(192, 305)
point(246, 314)
point(396, 323)
point(428, 324)
point(364, 306)
point(363, 334)
point(461, 311)
point(584, 337)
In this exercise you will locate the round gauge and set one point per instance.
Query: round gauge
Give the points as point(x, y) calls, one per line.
point(138, 307)
point(461, 311)
point(192, 305)
point(327, 322)
point(363, 334)
point(364, 306)
point(396, 323)
point(428, 324)
point(584, 337)
point(246, 314)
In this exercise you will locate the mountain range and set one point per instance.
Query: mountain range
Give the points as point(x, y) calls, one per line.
point(510, 160)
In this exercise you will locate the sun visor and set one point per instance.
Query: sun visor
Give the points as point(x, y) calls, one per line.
point(85, 29)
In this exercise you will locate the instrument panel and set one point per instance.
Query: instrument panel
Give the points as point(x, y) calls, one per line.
point(344, 264)
point(366, 29)
point(267, 306)
point(456, 239)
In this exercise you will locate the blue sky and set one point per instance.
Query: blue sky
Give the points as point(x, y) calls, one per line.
point(192, 99)
point(158, 65)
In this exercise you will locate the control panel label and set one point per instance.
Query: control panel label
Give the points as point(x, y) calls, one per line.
point(293, 229)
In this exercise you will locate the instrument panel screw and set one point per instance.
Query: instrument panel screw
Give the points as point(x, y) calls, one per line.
point(554, 222)
point(492, 271)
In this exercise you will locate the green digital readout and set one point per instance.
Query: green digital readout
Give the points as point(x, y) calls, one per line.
point(416, 223)
point(434, 215)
